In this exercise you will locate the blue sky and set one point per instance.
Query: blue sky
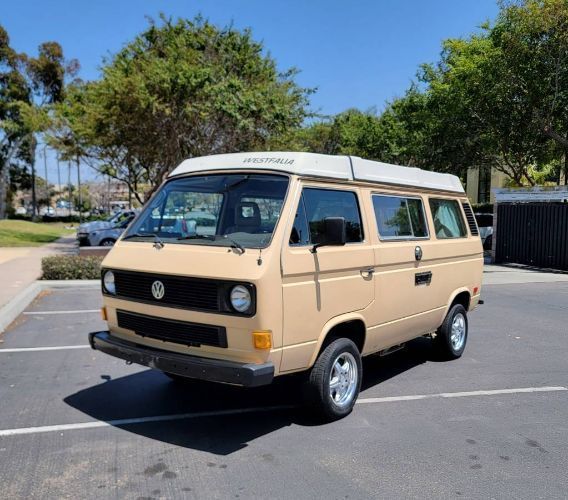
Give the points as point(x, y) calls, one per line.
point(357, 53)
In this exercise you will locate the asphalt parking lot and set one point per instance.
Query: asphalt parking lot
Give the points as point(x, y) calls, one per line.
point(75, 423)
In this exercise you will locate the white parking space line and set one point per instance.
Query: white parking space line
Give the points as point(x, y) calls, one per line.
point(79, 311)
point(461, 394)
point(139, 420)
point(54, 348)
point(237, 411)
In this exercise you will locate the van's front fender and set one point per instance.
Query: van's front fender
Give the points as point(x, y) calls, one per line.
point(330, 325)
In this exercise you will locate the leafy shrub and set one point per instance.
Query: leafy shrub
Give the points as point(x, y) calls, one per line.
point(71, 267)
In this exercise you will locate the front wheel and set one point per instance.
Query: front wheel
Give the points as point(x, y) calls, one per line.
point(451, 337)
point(107, 242)
point(335, 380)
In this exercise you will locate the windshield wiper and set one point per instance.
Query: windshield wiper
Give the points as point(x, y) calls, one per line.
point(235, 244)
point(197, 237)
point(139, 235)
point(157, 240)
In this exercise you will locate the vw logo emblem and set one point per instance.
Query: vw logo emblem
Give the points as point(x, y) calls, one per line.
point(158, 290)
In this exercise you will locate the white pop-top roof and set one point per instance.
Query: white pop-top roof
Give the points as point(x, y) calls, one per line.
point(317, 165)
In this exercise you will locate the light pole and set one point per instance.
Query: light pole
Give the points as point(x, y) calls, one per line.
point(69, 187)
point(32, 159)
point(58, 177)
point(79, 187)
point(108, 195)
point(46, 181)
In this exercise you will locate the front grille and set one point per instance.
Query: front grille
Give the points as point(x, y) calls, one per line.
point(470, 219)
point(179, 291)
point(167, 330)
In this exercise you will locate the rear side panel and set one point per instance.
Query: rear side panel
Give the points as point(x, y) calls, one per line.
point(412, 296)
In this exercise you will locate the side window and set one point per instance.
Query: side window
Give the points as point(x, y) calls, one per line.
point(322, 203)
point(300, 234)
point(399, 217)
point(448, 221)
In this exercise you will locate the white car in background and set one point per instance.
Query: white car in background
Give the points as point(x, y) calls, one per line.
point(47, 212)
point(485, 225)
point(104, 233)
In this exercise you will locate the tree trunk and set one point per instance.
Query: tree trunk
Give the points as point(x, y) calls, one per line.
point(550, 132)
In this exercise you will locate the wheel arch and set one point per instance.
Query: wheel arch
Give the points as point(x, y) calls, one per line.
point(460, 296)
point(351, 326)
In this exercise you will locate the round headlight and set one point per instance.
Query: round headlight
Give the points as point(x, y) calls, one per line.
point(108, 282)
point(240, 298)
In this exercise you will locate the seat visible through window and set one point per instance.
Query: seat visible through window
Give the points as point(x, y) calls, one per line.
point(247, 218)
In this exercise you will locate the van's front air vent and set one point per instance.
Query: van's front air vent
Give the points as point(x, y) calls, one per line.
point(168, 330)
point(470, 218)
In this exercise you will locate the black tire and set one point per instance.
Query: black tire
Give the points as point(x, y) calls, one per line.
point(449, 347)
point(318, 392)
point(108, 242)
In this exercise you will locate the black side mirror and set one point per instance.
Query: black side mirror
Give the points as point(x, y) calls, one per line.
point(334, 233)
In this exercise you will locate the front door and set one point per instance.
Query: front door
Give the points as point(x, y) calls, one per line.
point(333, 281)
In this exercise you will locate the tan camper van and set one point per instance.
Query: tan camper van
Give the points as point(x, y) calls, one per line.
point(244, 267)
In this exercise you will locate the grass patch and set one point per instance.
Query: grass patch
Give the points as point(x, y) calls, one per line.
point(19, 233)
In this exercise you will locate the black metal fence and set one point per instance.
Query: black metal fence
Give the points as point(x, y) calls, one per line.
point(535, 234)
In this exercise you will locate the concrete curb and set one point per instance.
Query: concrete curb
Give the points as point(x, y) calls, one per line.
point(48, 284)
point(10, 311)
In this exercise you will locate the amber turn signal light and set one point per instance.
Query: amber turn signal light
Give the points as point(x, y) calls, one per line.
point(104, 313)
point(262, 339)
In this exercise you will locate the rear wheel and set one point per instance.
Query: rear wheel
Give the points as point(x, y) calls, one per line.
point(335, 380)
point(451, 337)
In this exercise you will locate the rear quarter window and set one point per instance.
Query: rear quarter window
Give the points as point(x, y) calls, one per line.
point(447, 217)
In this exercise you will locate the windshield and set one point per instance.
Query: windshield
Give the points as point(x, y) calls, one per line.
point(222, 210)
point(119, 217)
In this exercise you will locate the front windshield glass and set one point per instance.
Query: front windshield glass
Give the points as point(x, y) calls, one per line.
point(222, 210)
point(118, 218)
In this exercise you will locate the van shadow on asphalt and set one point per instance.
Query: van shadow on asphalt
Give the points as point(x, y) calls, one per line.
point(150, 393)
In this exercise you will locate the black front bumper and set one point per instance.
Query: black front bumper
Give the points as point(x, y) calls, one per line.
point(214, 370)
point(83, 240)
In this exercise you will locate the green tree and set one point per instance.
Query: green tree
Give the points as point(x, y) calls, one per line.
point(532, 35)
point(498, 98)
point(352, 132)
point(29, 87)
point(180, 89)
point(14, 94)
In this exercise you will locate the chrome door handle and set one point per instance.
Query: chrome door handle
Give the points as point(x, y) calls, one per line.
point(418, 253)
point(368, 272)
